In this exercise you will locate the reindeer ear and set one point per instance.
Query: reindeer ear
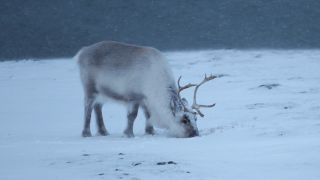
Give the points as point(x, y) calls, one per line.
point(185, 102)
point(173, 107)
point(176, 105)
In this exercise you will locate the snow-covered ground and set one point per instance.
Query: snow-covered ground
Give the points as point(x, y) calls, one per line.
point(266, 124)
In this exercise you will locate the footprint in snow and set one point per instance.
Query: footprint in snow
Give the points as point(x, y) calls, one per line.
point(269, 86)
point(165, 163)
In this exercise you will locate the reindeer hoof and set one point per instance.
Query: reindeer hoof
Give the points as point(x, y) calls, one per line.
point(129, 134)
point(103, 132)
point(86, 134)
point(150, 130)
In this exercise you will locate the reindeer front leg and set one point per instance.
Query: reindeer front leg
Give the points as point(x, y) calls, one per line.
point(149, 128)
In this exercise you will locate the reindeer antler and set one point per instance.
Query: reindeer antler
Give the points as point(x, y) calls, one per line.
point(184, 87)
point(196, 106)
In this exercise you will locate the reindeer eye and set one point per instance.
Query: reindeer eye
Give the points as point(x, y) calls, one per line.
point(185, 120)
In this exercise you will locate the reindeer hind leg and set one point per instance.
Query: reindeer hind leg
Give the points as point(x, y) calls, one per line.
point(86, 132)
point(132, 114)
point(90, 94)
point(99, 118)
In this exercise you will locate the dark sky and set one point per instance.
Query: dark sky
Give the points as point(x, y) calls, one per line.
point(58, 28)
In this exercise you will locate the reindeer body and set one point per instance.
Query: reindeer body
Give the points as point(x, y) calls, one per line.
point(136, 76)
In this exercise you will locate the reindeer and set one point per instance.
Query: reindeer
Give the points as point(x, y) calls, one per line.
point(137, 76)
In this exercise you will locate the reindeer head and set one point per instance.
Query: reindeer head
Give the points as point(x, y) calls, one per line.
point(186, 116)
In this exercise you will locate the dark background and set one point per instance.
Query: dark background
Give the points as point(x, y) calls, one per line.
point(58, 28)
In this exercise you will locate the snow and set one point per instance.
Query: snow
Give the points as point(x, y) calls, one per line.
point(266, 123)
